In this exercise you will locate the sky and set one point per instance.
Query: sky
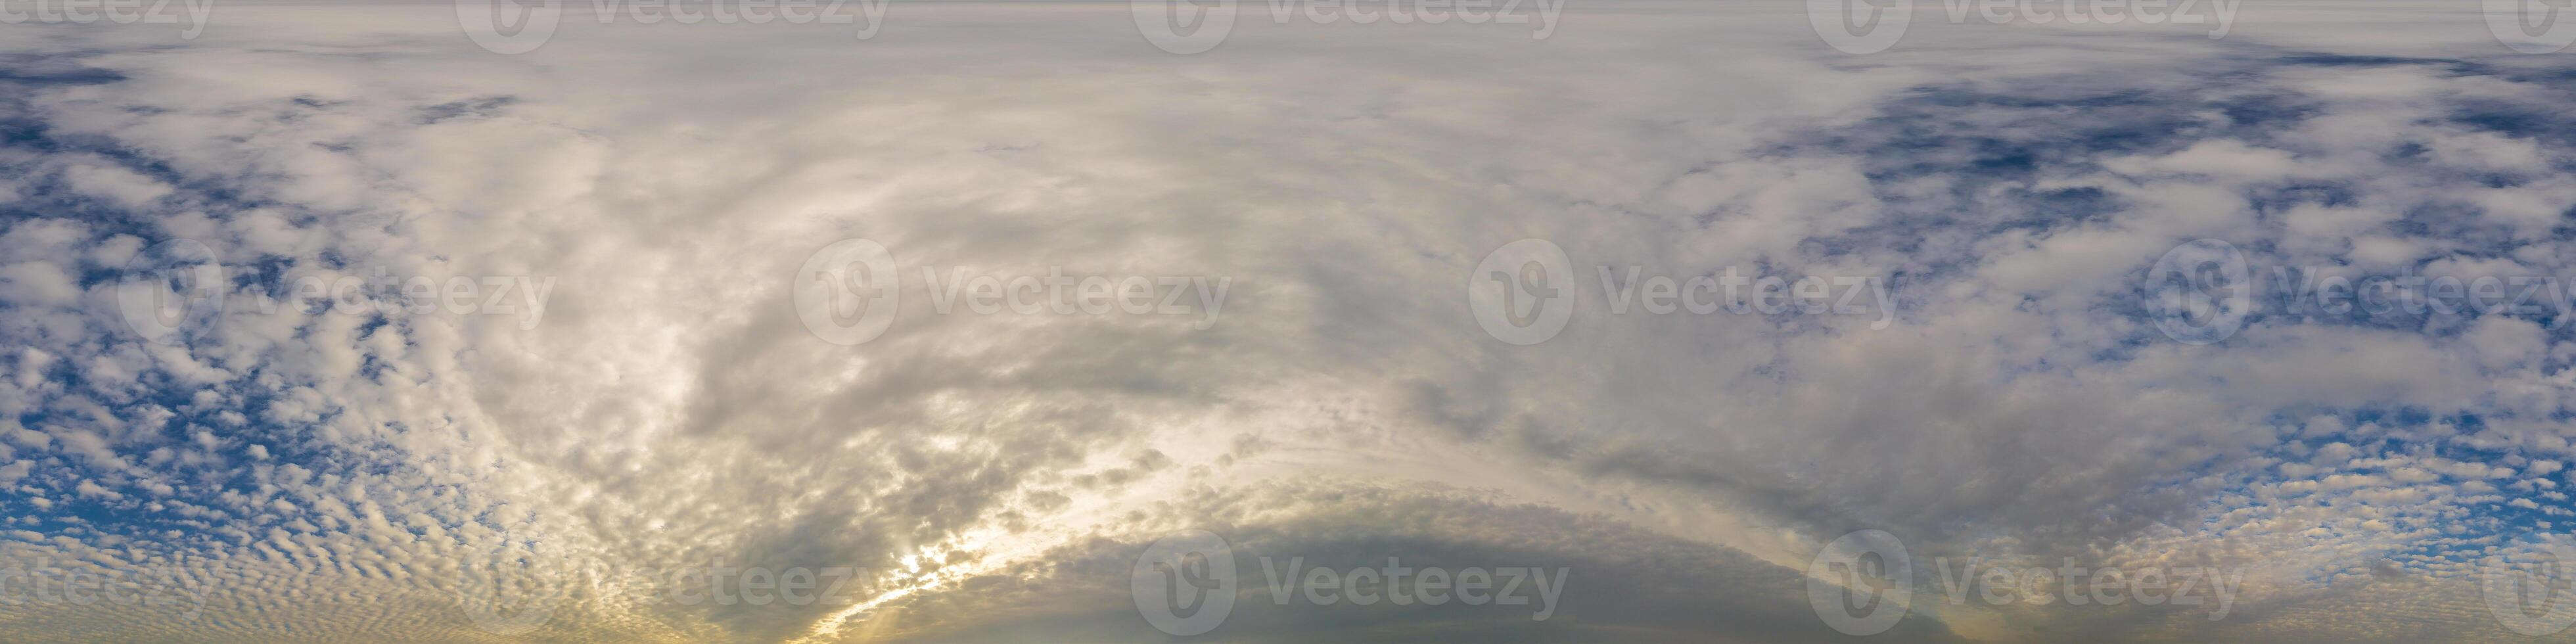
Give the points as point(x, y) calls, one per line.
point(1251, 321)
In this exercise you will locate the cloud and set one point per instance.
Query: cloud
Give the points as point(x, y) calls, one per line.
point(333, 463)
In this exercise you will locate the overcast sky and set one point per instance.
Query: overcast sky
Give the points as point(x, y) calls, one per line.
point(1050, 322)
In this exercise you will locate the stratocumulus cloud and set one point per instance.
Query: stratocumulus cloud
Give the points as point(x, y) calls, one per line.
point(959, 321)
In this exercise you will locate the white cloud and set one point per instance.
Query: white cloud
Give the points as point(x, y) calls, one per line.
point(327, 474)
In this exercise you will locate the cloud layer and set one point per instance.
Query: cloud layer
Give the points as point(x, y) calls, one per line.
point(632, 394)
